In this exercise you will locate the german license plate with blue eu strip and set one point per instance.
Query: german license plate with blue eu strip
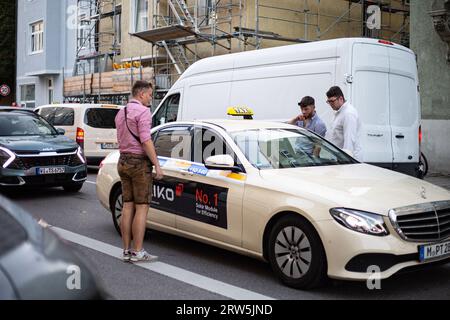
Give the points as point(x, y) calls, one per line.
point(52, 170)
point(434, 251)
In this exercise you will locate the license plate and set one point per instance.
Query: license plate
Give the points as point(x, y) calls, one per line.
point(110, 146)
point(55, 170)
point(434, 251)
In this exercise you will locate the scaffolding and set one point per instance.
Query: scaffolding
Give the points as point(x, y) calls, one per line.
point(97, 46)
point(183, 31)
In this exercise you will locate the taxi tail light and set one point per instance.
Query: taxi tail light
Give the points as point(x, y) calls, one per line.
point(80, 137)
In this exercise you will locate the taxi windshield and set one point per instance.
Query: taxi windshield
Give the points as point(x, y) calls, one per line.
point(13, 124)
point(288, 148)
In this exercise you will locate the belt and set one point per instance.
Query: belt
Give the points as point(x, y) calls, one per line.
point(135, 156)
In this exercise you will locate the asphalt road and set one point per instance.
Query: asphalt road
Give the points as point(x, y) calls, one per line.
point(209, 273)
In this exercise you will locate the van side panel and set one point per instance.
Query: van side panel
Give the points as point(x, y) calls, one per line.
point(370, 96)
point(273, 91)
point(405, 106)
point(207, 96)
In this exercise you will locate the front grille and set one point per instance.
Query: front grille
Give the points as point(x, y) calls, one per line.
point(430, 222)
point(25, 163)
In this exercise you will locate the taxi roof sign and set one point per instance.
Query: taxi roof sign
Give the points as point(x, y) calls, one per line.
point(245, 112)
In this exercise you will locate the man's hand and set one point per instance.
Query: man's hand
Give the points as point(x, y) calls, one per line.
point(300, 117)
point(159, 173)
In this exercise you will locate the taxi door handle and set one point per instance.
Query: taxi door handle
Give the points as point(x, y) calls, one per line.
point(186, 173)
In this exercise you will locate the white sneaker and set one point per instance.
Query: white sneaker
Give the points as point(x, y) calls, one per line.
point(126, 256)
point(142, 256)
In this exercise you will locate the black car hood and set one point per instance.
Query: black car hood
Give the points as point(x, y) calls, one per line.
point(36, 144)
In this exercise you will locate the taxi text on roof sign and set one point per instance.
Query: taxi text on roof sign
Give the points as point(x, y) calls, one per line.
point(245, 112)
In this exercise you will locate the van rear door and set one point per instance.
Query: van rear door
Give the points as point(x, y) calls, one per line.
point(100, 131)
point(404, 104)
point(371, 97)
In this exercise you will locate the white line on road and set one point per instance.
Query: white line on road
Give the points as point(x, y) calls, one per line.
point(197, 280)
point(90, 182)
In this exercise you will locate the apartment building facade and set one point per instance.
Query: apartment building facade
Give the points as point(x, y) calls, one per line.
point(169, 35)
point(46, 49)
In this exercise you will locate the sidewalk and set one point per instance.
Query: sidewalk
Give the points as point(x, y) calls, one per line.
point(439, 180)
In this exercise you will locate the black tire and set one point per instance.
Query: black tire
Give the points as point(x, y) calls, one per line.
point(116, 206)
point(423, 165)
point(75, 187)
point(296, 253)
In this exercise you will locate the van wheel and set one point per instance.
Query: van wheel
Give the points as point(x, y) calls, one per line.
point(73, 187)
point(116, 206)
point(296, 254)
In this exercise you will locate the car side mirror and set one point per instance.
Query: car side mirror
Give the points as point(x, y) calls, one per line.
point(61, 131)
point(222, 162)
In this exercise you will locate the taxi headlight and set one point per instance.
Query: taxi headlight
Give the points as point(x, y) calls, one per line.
point(360, 221)
point(6, 157)
point(80, 154)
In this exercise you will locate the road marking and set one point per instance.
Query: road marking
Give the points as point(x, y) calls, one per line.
point(90, 182)
point(197, 280)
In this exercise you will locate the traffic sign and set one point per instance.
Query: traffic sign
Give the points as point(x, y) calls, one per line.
point(4, 90)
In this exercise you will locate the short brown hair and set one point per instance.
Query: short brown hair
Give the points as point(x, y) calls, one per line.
point(139, 86)
point(335, 92)
point(307, 101)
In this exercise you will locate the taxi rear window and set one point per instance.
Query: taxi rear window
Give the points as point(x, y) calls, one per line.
point(101, 118)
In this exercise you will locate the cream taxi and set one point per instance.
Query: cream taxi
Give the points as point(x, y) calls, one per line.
point(284, 195)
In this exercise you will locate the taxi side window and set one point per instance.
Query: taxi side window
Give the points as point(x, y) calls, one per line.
point(174, 142)
point(208, 143)
point(168, 111)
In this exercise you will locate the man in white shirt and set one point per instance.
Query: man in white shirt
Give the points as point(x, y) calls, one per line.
point(345, 130)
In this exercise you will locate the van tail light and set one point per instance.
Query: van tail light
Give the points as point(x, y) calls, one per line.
point(80, 137)
point(420, 135)
point(386, 42)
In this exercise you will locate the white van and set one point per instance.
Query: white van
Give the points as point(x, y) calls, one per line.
point(378, 77)
point(91, 125)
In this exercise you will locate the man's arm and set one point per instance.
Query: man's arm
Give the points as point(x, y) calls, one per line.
point(294, 120)
point(350, 132)
point(151, 153)
point(144, 125)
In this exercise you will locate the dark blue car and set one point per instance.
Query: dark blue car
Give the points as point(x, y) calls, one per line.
point(34, 153)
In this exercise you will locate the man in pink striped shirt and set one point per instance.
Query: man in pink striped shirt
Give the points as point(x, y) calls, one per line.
point(137, 156)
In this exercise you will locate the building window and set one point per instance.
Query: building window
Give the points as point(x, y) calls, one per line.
point(140, 15)
point(37, 37)
point(28, 96)
point(82, 31)
point(50, 91)
point(118, 28)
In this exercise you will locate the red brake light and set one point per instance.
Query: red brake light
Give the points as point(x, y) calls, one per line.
point(101, 164)
point(386, 42)
point(420, 135)
point(80, 137)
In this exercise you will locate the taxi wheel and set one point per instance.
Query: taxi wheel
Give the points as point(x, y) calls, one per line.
point(296, 254)
point(116, 206)
point(73, 187)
